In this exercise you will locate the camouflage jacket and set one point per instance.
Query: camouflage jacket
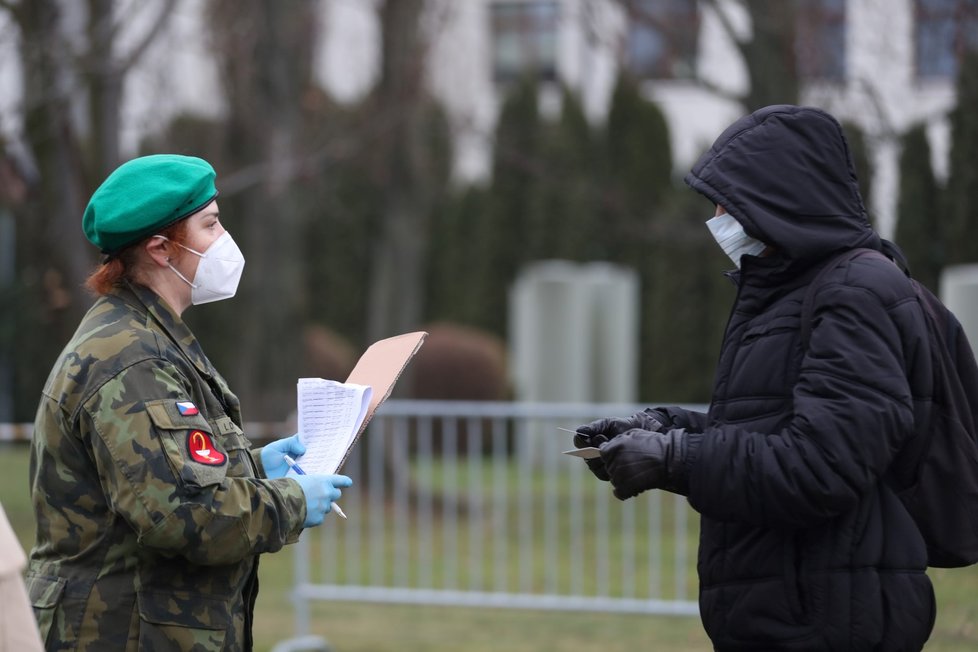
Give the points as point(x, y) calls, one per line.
point(151, 508)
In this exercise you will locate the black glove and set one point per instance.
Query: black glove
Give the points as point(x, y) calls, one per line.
point(639, 460)
point(648, 419)
point(594, 464)
point(598, 432)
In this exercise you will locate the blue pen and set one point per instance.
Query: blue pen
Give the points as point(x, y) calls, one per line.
point(298, 469)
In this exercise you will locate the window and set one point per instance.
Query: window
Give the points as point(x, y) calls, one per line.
point(820, 48)
point(945, 29)
point(524, 40)
point(662, 38)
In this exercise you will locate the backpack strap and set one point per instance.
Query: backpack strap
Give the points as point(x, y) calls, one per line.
point(808, 303)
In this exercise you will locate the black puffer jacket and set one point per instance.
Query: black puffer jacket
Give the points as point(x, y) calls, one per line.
point(803, 546)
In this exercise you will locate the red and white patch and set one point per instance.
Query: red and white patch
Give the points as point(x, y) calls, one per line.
point(187, 408)
point(202, 449)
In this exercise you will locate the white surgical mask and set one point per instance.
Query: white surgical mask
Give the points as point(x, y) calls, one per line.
point(218, 271)
point(731, 237)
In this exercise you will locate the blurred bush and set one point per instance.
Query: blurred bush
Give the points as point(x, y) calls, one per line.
point(327, 354)
point(460, 363)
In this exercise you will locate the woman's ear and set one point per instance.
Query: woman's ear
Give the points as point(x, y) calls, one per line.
point(159, 249)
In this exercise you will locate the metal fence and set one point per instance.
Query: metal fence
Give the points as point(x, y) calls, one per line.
point(473, 504)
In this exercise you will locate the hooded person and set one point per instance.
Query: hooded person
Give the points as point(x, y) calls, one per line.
point(152, 508)
point(803, 544)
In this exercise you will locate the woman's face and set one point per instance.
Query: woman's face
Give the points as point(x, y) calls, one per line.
point(203, 228)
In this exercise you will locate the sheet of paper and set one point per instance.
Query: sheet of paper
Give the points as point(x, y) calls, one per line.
point(330, 416)
point(323, 404)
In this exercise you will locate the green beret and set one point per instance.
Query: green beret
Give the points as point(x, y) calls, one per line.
point(145, 195)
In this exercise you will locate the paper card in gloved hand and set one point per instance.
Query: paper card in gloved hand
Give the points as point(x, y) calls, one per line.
point(588, 453)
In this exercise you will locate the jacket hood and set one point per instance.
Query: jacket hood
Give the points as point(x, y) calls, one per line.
point(786, 174)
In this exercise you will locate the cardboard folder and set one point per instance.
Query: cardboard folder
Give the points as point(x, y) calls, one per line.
point(333, 415)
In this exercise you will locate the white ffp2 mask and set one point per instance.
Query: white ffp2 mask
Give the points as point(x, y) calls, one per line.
point(731, 237)
point(218, 271)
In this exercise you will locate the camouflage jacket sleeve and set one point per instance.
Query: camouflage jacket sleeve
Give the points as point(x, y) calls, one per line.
point(148, 463)
point(256, 459)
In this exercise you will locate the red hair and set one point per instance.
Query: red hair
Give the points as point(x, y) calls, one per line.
point(119, 267)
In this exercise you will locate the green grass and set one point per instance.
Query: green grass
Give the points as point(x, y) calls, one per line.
point(492, 524)
point(353, 627)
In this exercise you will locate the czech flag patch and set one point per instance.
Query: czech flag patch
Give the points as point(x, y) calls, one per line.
point(202, 449)
point(187, 408)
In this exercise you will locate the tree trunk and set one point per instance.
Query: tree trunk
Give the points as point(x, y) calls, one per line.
point(396, 286)
point(770, 54)
point(266, 51)
point(104, 89)
point(53, 259)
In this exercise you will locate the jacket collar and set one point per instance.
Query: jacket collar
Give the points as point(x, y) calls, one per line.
point(166, 319)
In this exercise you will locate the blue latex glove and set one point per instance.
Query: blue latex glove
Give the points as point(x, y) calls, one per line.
point(320, 491)
point(273, 455)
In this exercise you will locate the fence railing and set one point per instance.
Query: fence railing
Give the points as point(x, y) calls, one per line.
point(473, 504)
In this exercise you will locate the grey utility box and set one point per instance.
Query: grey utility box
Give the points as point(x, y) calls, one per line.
point(959, 292)
point(574, 337)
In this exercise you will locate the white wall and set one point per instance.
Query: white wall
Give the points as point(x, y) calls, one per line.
point(348, 60)
point(883, 97)
point(10, 78)
point(460, 76)
point(591, 33)
point(881, 94)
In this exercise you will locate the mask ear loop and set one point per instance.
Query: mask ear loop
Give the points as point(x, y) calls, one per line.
point(193, 251)
point(182, 277)
point(174, 269)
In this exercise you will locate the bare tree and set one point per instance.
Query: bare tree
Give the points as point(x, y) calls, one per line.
point(54, 140)
point(66, 69)
point(408, 170)
point(768, 49)
point(265, 49)
point(104, 68)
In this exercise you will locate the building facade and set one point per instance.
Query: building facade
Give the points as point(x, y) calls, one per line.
point(883, 65)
